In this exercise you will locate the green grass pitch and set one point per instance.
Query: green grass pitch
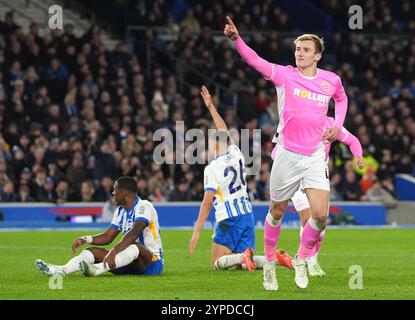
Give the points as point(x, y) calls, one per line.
point(387, 258)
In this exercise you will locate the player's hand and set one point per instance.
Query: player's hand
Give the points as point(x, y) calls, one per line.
point(230, 29)
point(194, 241)
point(360, 162)
point(109, 260)
point(77, 243)
point(331, 134)
point(206, 97)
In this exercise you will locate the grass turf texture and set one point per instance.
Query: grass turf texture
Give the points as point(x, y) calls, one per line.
point(387, 257)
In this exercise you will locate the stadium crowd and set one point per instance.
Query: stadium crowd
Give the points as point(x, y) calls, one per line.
point(75, 115)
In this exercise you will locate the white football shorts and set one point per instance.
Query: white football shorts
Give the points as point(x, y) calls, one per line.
point(291, 170)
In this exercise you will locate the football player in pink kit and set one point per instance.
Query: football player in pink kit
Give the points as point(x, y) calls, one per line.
point(300, 200)
point(303, 93)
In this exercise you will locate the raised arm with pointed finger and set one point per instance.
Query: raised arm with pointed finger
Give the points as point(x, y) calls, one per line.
point(250, 56)
point(217, 119)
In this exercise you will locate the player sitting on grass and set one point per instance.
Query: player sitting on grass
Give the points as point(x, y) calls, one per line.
point(225, 188)
point(138, 252)
point(300, 201)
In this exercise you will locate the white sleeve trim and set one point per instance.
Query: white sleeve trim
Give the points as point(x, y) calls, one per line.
point(274, 68)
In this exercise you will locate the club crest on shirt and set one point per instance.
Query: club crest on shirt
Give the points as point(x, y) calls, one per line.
point(325, 85)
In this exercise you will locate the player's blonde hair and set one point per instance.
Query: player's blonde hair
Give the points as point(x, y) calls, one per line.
point(318, 42)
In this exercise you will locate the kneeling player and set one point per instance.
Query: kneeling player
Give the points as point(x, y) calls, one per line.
point(138, 253)
point(225, 188)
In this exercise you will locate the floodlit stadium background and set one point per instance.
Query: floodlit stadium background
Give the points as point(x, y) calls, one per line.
point(79, 106)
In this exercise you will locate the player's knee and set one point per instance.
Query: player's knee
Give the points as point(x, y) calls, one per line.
point(319, 212)
point(133, 250)
point(277, 209)
point(321, 220)
point(96, 252)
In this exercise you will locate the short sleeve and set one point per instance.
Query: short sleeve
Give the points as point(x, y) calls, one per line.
point(115, 223)
point(277, 74)
point(210, 180)
point(143, 212)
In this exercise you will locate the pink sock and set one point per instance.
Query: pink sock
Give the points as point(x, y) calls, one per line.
point(316, 248)
point(309, 239)
point(271, 237)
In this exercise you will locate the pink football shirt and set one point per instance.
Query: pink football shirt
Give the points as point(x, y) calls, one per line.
point(302, 101)
point(344, 136)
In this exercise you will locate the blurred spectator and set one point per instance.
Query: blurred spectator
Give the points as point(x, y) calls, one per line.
point(379, 194)
point(105, 162)
point(62, 192)
point(7, 193)
point(8, 27)
point(24, 194)
point(335, 187)
point(130, 146)
point(350, 187)
point(76, 171)
point(157, 195)
point(263, 182)
point(87, 193)
point(252, 190)
point(142, 188)
point(367, 180)
point(38, 182)
point(197, 191)
point(156, 181)
point(104, 189)
point(269, 118)
point(190, 23)
point(182, 192)
point(55, 77)
point(47, 192)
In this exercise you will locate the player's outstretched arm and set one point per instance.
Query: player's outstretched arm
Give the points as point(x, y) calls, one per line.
point(100, 239)
point(355, 148)
point(340, 110)
point(203, 215)
point(217, 119)
point(250, 56)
